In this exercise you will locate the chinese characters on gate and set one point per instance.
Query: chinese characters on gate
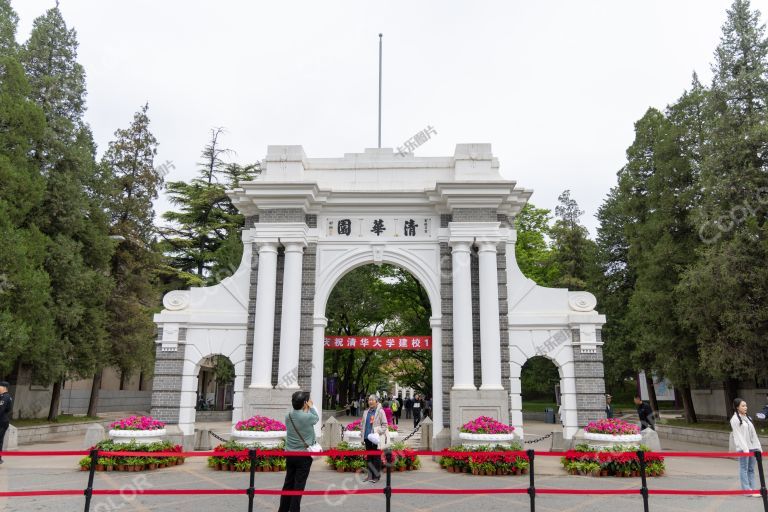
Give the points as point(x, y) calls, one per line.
point(406, 227)
point(379, 342)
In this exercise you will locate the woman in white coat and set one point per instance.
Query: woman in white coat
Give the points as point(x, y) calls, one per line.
point(745, 440)
point(373, 421)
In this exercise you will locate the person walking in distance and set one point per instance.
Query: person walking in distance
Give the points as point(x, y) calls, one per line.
point(745, 440)
point(408, 407)
point(299, 436)
point(645, 413)
point(608, 406)
point(418, 408)
point(6, 406)
point(395, 406)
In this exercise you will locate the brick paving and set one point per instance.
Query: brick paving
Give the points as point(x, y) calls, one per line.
point(26, 473)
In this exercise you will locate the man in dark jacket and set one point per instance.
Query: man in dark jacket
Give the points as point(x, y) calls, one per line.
point(645, 413)
point(6, 406)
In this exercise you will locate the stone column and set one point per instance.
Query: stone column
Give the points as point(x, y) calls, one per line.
point(263, 335)
point(490, 336)
point(318, 349)
point(463, 375)
point(437, 373)
point(290, 321)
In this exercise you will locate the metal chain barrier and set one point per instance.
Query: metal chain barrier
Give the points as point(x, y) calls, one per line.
point(412, 433)
point(211, 432)
point(539, 439)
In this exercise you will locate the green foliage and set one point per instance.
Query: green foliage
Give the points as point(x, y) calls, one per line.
point(532, 252)
point(203, 238)
point(538, 379)
point(378, 301)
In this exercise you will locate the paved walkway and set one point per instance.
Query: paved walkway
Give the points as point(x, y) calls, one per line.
point(28, 473)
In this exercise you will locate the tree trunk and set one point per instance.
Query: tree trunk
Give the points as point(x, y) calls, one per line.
point(123, 378)
point(651, 393)
point(53, 412)
point(93, 402)
point(690, 412)
point(731, 389)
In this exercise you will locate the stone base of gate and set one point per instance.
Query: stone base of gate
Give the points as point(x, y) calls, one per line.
point(468, 404)
point(272, 403)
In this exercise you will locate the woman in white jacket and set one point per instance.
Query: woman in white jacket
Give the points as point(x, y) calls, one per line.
point(745, 440)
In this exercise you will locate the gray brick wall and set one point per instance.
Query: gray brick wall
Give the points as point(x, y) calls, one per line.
point(166, 386)
point(475, 215)
point(501, 265)
point(282, 215)
point(251, 315)
point(311, 221)
point(446, 283)
point(278, 315)
point(475, 270)
point(307, 315)
point(590, 386)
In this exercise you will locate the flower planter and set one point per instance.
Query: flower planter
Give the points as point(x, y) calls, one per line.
point(632, 438)
point(251, 437)
point(139, 436)
point(472, 440)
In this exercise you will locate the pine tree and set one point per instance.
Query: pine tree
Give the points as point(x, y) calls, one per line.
point(202, 244)
point(129, 163)
point(72, 214)
point(573, 251)
point(8, 22)
point(25, 326)
point(731, 218)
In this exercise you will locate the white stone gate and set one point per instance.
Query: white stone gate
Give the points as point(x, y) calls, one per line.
point(448, 221)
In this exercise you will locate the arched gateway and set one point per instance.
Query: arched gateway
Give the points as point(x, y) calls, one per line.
point(446, 220)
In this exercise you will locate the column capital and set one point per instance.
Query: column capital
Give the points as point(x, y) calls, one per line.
point(320, 321)
point(294, 245)
point(460, 245)
point(266, 246)
point(435, 321)
point(487, 245)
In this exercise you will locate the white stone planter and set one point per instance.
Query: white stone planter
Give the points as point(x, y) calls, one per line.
point(630, 438)
point(469, 439)
point(266, 439)
point(355, 436)
point(140, 436)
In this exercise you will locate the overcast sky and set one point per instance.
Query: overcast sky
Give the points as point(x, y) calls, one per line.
point(554, 86)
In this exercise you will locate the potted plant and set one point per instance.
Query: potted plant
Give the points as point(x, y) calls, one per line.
point(612, 430)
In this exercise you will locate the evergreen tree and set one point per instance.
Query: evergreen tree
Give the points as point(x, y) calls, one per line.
point(73, 208)
point(25, 326)
point(202, 244)
point(731, 217)
point(573, 251)
point(9, 20)
point(129, 163)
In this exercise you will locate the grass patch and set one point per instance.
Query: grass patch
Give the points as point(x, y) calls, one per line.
point(722, 426)
point(64, 418)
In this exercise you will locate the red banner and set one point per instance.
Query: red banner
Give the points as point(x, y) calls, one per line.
point(379, 342)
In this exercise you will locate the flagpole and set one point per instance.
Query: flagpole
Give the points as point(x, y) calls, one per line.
point(380, 42)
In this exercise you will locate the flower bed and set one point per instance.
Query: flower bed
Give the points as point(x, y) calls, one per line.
point(241, 461)
point(404, 459)
point(615, 461)
point(613, 430)
point(126, 463)
point(259, 431)
point(514, 463)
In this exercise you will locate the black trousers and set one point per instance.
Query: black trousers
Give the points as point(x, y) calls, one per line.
point(3, 430)
point(374, 461)
point(408, 412)
point(296, 474)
